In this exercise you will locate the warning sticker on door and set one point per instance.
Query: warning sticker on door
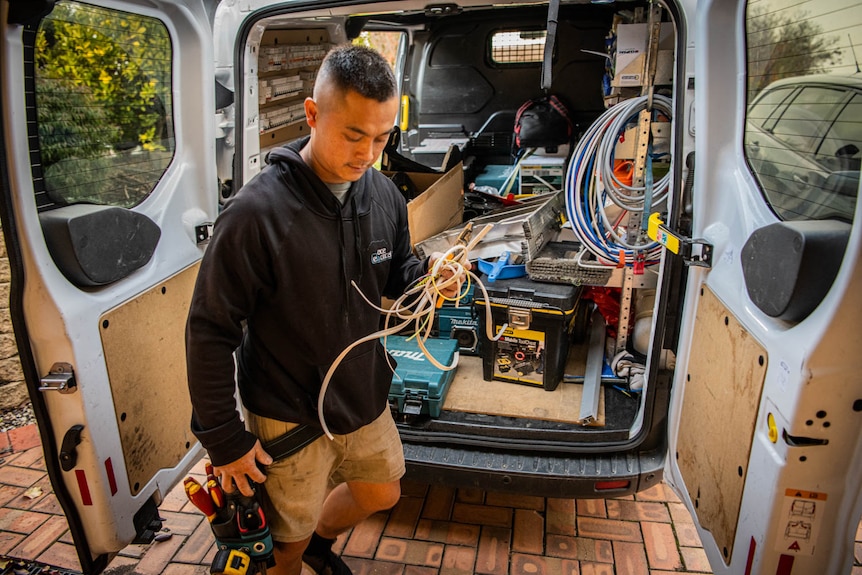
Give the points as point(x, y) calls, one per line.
point(801, 516)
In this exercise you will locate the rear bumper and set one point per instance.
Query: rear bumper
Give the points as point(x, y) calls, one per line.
point(540, 474)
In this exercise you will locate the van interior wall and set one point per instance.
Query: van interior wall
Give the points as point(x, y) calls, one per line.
point(456, 85)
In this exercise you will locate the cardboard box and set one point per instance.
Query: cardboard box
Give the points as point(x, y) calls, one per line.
point(631, 47)
point(439, 206)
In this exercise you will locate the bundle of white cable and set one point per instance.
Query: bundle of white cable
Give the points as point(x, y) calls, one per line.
point(591, 182)
point(426, 291)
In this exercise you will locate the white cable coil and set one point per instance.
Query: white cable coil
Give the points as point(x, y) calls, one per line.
point(591, 182)
point(428, 289)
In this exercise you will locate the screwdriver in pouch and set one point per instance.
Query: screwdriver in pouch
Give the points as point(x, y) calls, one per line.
point(199, 497)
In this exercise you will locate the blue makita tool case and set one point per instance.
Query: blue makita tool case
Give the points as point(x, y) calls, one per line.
point(459, 323)
point(418, 387)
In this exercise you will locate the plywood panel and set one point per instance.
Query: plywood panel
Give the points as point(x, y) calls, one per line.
point(720, 404)
point(144, 345)
point(468, 392)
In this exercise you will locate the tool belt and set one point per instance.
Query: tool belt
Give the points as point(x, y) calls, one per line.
point(289, 443)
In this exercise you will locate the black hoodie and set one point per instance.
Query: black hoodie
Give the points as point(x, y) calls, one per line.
point(281, 258)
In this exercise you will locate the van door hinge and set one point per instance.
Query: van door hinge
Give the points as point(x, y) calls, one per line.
point(203, 232)
point(61, 378)
point(694, 252)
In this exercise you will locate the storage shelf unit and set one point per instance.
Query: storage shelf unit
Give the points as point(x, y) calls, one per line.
point(288, 61)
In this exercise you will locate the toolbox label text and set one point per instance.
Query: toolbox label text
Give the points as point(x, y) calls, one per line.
point(414, 355)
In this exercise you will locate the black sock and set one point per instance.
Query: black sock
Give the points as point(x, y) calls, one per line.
point(319, 545)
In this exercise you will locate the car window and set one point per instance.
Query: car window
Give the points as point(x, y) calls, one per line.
point(803, 124)
point(104, 106)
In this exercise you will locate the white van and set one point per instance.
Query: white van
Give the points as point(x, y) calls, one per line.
point(127, 123)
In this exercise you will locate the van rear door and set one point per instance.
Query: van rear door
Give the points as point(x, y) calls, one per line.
point(108, 181)
point(764, 445)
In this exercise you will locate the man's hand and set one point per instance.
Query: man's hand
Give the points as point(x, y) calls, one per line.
point(448, 271)
point(238, 472)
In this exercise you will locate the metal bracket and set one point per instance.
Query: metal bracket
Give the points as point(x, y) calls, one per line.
point(61, 378)
point(203, 232)
point(694, 251)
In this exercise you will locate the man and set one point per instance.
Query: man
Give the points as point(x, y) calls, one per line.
point(283, 258)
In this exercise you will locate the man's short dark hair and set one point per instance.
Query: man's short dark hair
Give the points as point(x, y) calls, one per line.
point(360, 69)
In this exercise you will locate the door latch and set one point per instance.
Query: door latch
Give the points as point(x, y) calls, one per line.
point(61, 378)
point(68, 451)
point(203, 232)
point(694, 252)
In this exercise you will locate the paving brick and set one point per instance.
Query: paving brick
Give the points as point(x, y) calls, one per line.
point(560, 516)
point(458, 560)
point(67, 538)
point(403, 518)
point(658, 492)
point(629, 558)
point(413, 488)
point(341, 541)
point(686, 535)
point(447, 532)
point(25, 437)
point(134, 550)
point(528, 533)
point(638, 511)
point(592, 508)
point(597, 550)
point(5, 444)
point(679, 513)
point(425, 553)
point(365, 536)
point(367, 567)
point(523, 564)
point(19, 476)
point(695, 559)
point(38, 541)
point(180, 569)
point(29, 497)
point(609, 529)
point(482, 515)
point(34, 458)
point(470, 495)
point(175, 500)
point(417, 570)
point(493, 555)
point(120, 565)
point(8, 541)
point(197, 545)
point(181, 523)
point(158, 556)
point(438, 503)
point(596, 569)
point(61, 555)
point(20, 521)
point(9, 492)
point(515, 500)
point(660, 546)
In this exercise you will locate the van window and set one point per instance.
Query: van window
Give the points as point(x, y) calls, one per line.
point(103, 101)
point(803, 131)
point(518, 46)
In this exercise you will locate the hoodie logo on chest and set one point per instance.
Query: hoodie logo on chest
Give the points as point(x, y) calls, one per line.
point(381, 255)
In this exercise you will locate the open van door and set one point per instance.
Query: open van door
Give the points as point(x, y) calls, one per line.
point(108, 181)
point(764, 437)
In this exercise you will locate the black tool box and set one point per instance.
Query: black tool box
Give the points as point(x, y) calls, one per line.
point(418, 386)
point(534, 347)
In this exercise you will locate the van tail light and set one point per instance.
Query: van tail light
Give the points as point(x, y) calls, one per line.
point(612, 485)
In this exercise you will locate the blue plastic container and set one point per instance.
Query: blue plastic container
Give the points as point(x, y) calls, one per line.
point(418, 387)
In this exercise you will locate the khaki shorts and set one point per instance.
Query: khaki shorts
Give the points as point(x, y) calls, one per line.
point(296, 487)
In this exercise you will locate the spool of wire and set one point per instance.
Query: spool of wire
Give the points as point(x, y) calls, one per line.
point(592, 186)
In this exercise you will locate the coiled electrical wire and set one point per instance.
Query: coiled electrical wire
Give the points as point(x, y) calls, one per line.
point(591, 186)
point(426, 291)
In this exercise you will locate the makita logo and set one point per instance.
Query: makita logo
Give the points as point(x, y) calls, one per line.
point(412, 355)
point(381, 256)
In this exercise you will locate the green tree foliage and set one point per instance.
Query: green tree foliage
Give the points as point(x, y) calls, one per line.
point(115, 69)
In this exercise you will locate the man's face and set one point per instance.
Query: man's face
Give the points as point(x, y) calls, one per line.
point(348, 133)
